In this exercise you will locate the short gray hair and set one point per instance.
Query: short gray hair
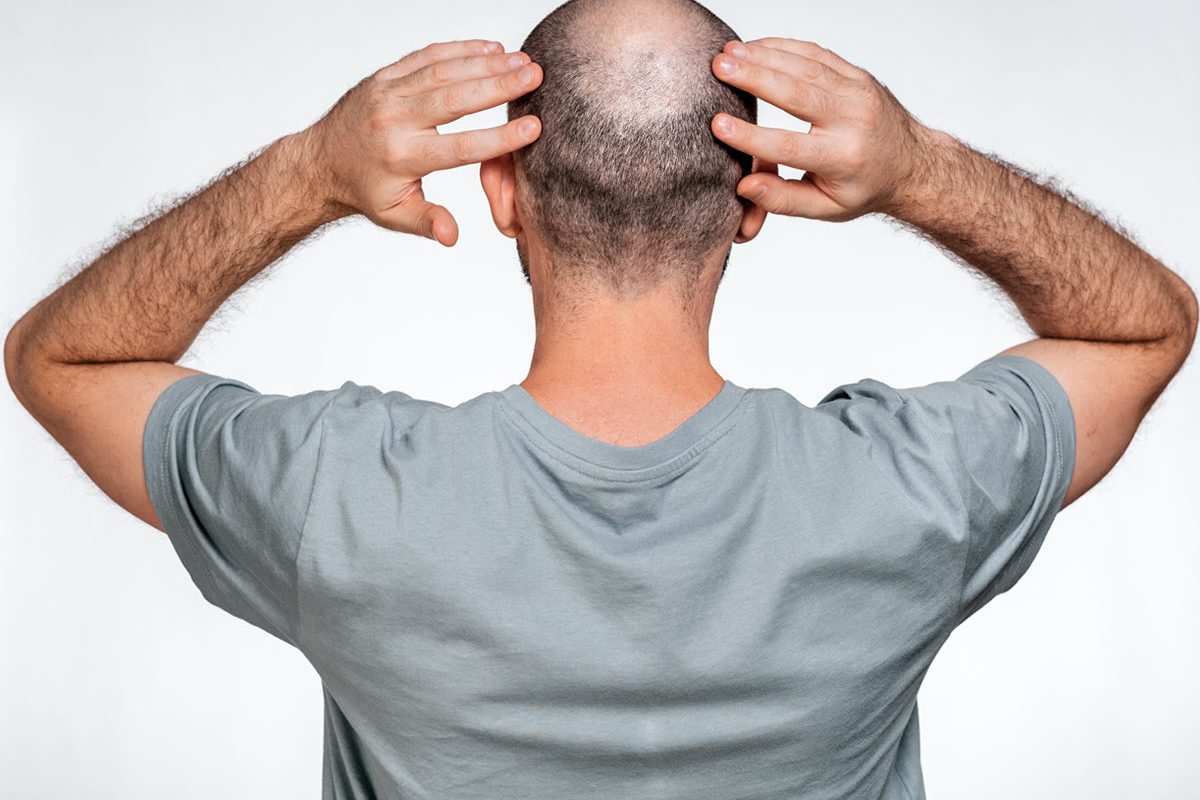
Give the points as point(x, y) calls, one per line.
point(627, 184)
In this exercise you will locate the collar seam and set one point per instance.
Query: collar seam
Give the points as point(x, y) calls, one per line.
point(654, 471)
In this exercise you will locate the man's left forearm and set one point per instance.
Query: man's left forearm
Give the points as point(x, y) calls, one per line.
point(147, 298)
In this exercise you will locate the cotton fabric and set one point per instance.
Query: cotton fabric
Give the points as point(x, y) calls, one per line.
point(499, 606)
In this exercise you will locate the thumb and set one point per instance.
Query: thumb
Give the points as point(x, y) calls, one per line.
point(437, 223)
point(792, 198)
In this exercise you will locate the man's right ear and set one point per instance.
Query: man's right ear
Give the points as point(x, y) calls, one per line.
point(499, 179)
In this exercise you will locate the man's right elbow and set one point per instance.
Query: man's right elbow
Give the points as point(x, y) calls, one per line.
point(13, 348)
point(19, 361)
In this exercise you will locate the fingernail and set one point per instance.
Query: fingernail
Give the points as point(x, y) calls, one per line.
point(724, 124)
point(738, 50)
point(493, 47)
point(755, 192)
point(528, 128)
point(515, 61)
point(525, 76)
point(726, 64)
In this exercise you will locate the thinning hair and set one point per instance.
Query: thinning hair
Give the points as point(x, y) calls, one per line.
point(627, 186)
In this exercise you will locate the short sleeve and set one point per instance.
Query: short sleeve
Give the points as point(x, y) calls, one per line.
point(230, 473)
point(996, 446)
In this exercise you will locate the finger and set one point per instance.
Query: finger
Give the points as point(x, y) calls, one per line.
point(800, 150)
point(755, 217)
point(792, 198)
point(806, 69)
point(788, 92)
point(437, 223)
point(815, 52)
point(439, 51)
point(449, 150)
point(448, 103)
point(457, 70)
point(763, 165)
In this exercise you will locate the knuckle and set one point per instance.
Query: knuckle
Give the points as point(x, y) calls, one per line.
point(515, 80)
point(789, 147)
point(775, 202)
point(452, 99)
point(854, 156)
point(808, 69)
point(395, 154)
point(800, 95)
point(428, 152)
point(463, 147)
point(818, 152)
point(498, 63)
point(439, 71)
point(374, 87)
point(380, 118)
point(512, 133)
point(874, 87)
point(422, 107)
point(867, 115)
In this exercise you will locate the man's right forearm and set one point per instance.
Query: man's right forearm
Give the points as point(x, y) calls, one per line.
point(1070, 274)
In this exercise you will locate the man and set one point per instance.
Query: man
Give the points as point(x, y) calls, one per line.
point(624, 576)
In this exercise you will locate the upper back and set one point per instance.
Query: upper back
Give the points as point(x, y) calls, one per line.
point(501, 606)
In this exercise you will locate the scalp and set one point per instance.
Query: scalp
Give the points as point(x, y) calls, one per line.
point(626, 181)
point(641, 58)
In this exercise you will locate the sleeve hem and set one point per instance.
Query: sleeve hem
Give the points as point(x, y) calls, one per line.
point(158, 434)
point(1054, 403)
point(1054, 398)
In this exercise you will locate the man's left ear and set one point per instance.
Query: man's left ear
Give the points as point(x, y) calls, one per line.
point(499, 179)
point(754, 216)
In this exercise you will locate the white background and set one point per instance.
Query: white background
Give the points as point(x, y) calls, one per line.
point(117, 680)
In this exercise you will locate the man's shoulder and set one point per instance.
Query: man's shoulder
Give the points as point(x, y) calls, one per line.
point(367, 404)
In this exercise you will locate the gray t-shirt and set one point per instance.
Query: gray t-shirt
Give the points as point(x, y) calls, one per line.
point(499, 606)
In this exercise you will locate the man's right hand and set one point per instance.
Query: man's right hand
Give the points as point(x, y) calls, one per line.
point(863, 153)
point(370, 152)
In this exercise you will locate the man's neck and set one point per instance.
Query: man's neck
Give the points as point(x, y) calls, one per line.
point(623, 371)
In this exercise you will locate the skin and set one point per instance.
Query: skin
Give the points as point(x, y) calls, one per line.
point(1113, 324)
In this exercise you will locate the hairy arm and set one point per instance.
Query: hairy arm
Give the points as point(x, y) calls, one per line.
point(1114, 325)
point(1071, 274)
point(90, 359)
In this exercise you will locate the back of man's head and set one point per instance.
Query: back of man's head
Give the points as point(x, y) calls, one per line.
point(627, 187)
